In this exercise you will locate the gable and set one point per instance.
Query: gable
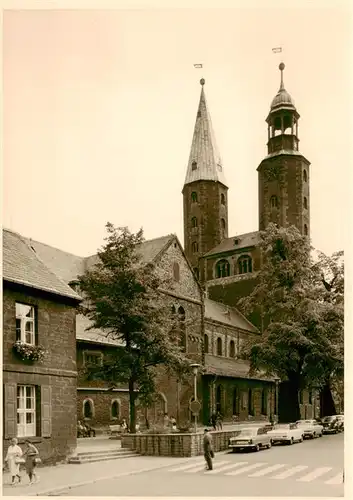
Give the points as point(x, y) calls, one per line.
point(187, 286)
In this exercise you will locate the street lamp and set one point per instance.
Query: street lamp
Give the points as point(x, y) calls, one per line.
point(277, 382)
point(195, 408)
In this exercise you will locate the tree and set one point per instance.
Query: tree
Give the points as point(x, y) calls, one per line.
point(123, 299)
point(300, 328)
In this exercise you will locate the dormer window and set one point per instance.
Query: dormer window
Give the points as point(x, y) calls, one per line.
point(194, 165)
point(236, 241)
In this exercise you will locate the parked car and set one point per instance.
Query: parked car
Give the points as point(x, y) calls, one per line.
point(310, 428)
point(251, 438)
point(286, 433)
point(340, 419)
point(330, 424)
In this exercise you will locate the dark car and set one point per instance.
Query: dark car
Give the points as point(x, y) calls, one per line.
point(331, 425)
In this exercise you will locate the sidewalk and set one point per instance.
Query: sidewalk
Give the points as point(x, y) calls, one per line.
point(62, 477)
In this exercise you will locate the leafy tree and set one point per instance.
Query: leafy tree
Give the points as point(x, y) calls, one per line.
point(300, 328)
point(123, 299)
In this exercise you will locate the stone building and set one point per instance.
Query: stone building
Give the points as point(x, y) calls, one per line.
point(39, 396)
point(228, 266)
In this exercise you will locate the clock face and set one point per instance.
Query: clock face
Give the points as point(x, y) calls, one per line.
point(272, 172)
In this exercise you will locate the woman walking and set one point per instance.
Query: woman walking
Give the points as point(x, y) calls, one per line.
point(31, 453)
point(14, 453)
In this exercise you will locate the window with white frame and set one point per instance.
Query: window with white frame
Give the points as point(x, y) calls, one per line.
point(26, 410)
point(25, 323)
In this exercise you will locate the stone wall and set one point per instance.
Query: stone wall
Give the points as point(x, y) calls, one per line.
point(175, 445)
point(54, 378)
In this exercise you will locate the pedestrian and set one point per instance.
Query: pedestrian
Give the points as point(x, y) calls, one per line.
point(173, 423)
point(13, 459)
point(208, 449)
point(219, 419)
point(213, 421)
point(124, 426)
point(32, 455)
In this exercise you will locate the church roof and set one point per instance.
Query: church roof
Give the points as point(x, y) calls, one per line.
point(22, 265)
point(228, 367)
point(282, 99)
point(236, 243)
point(205, 162)
point(228, 315)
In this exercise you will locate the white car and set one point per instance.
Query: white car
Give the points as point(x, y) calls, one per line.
point(286, 433)
point(310, 428)
point(252, 438)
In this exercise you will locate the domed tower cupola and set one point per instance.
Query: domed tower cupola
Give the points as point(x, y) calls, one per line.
point(282, 121)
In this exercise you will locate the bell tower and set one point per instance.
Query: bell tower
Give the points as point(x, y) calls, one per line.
point(283, 175)
point(205, 191)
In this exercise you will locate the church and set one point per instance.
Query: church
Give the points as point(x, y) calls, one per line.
point(210, 273)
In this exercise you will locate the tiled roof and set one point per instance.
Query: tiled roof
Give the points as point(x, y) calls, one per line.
point(204, 150)
point(227, 367)
point(228, 244)
point(94, 334)
point(228, 315)
point(21, 264)
point(65, 265)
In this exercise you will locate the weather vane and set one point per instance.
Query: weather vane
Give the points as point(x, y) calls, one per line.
point(199, 66)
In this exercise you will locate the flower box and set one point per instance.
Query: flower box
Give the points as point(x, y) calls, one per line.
point(29, 352)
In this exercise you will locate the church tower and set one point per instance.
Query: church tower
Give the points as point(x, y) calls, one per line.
point(283, 175)
point(205, 191)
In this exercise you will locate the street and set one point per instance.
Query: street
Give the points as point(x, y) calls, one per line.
point(311, 468)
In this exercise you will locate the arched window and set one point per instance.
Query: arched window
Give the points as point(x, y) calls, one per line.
point(223, 199)
point(244, 264)
point(232, 349)
point(182, 330)
point(176, 271)
point(115, 409)
point(250, 403)
point(206, 343)
point(194, 165)
point(88, 409)
point(264, 402)
point(305, 202)
point(274, 201)
point(196, 271)
point(305, 230)
point(194, 197)
point(194, 222)
point(223, 224)
point(222, 268)
point(219, 346)
point(195, 247)
point(305, 175)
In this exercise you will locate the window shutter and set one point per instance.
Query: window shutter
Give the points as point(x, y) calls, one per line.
point(46, 410)
point(10, 416)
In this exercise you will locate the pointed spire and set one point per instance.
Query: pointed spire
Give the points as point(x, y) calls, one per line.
point(205, 162)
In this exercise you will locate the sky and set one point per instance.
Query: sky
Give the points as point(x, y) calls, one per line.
point(100, 106)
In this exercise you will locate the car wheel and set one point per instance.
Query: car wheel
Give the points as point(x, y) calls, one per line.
point(301, 439)
point(257, 447)
point(269, 445)
point(291, 441)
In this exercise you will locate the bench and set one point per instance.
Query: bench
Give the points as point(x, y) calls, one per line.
point(115, 429)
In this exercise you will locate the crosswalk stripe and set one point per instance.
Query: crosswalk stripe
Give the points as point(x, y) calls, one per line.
point(338, 479)
point(265, 471)
point(201, 467)
point(187, 466)
point(290, 472)
point(245, 469)
point(320, 471)
point(226, 467)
